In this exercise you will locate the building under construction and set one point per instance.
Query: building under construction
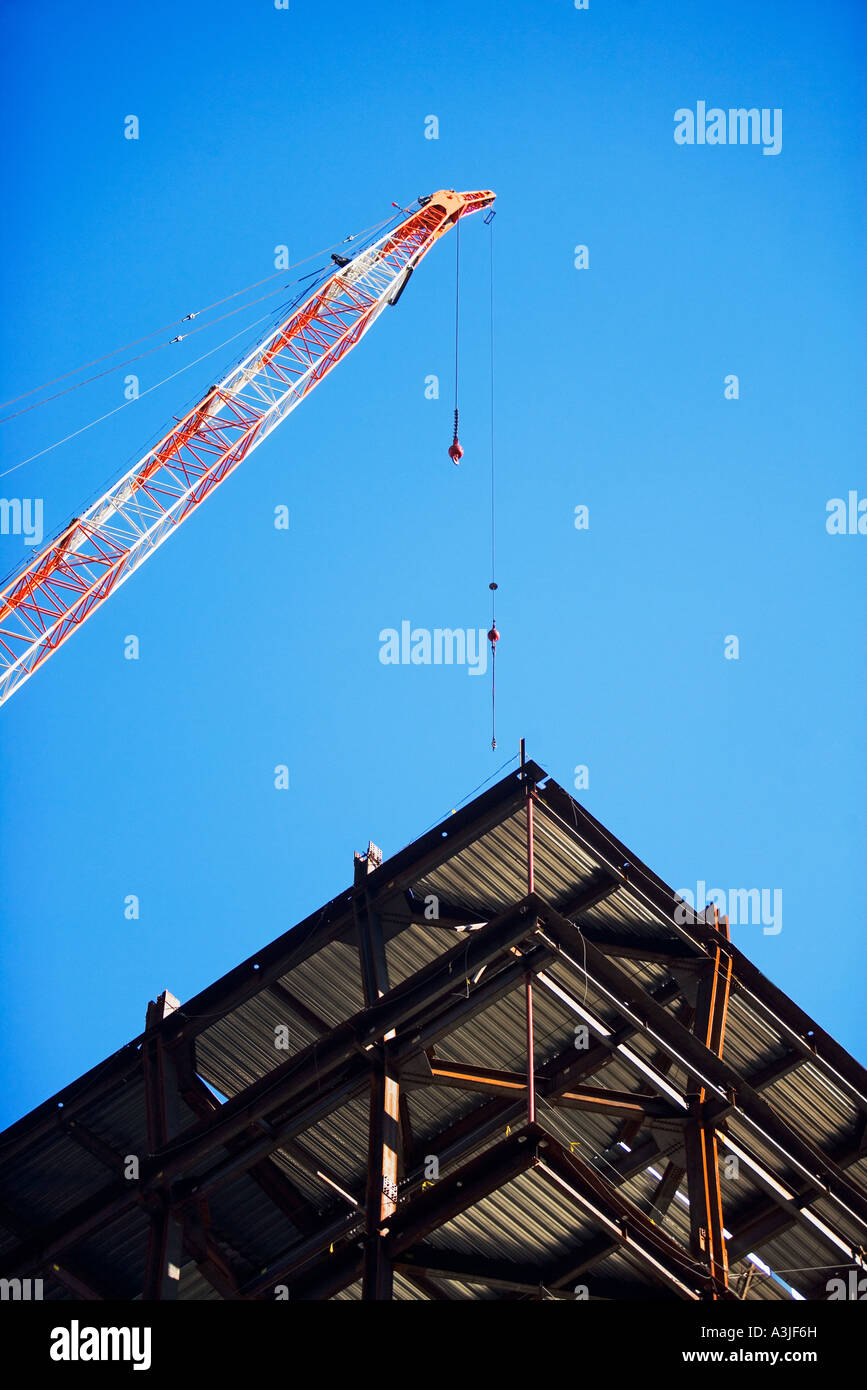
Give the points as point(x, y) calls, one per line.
point(507, 1063)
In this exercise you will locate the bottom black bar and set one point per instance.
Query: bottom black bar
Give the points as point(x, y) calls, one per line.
point(63, 1339)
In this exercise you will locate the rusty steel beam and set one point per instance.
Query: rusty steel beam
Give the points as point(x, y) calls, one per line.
point(209, 1259)
point(581, 1259)
point(637, 1237)
point(302, 1011)
point(705, 1198)
point(108, 1156)
point(702, 1154)
point(531, 1047)
point(384, 1137)
point(776, 1070)
point(302, 1259)
point(628, 948)
point(165, 1237)
point(460, 1267)
point(427, 1286)
point(666, 1190)
point(465, 1076)
point(381, 1196)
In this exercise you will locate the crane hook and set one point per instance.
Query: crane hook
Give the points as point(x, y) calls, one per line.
point(456, 453)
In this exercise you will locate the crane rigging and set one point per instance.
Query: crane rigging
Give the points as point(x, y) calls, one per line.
point(74, 574)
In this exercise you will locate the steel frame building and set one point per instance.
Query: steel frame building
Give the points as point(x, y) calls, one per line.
point(507, 1063)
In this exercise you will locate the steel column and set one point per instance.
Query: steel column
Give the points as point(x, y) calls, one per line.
point(384, 1136)
point(702, 1153)
point(165, 1239)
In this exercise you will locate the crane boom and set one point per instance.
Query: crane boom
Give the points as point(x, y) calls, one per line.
point(98, 551)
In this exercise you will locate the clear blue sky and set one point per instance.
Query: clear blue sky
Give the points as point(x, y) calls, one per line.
point(707, 517)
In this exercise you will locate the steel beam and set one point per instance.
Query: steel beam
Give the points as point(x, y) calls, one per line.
point(635, 1106)
point(384, 1137)
point(165, 1238)
point(381, 1198)
point(702, 1156)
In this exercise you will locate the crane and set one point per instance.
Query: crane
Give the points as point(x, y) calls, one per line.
point(75, 573)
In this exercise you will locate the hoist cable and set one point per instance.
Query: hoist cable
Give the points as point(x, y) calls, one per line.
point(457, 314)
point(493, 635)
point(493, 474)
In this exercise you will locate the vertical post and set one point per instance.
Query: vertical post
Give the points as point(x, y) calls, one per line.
point(528, 981)
point(381, 1196)
point(384, 1134)
point(531, 1069)
point(695, 1180)
point(702, 1151)
point(712, 1002)
point(707, 1242)
point(719, 1263)
point(721, 924)
point(163, 1259)
point(165, 1239)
